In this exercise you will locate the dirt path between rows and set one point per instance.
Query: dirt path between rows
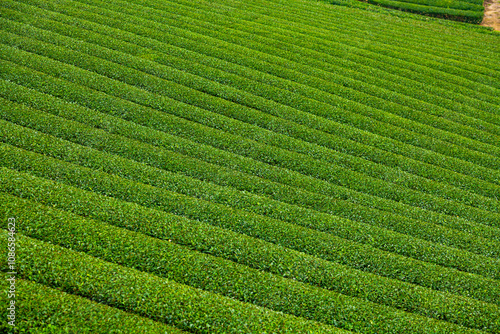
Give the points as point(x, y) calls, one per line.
point(491, 14)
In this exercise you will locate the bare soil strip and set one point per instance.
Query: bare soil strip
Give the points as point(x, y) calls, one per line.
point(491, 14)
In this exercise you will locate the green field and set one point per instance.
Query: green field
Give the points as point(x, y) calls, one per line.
point(471, 11)
point(262, 166)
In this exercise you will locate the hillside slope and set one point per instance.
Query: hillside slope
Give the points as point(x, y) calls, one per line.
point(247, 167)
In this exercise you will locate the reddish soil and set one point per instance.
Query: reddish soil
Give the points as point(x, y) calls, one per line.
point(491, 14)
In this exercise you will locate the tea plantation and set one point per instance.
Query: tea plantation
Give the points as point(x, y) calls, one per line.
point(459, 10)
point(261, 166)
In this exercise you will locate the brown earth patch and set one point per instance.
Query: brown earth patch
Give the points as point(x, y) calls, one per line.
point(491, 14)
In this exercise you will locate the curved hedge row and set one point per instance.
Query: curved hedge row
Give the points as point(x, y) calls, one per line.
point(146, 295)
point(265, 256)
point(151, 33)
point(459, 12)
point(218, 174)
point(456, 164)
point(384, 33)
point(228, 197)
point(42, 309)
point(255, 59)
point(275, 35)
point(280, 20)
point(168, 260)
point(443, 4)
point(288, 128)
point(310, 241)
point(278, 166)
point(130, 169)
point(269, 154)
point(356, 70)
point(282, 65)
point(274, 19)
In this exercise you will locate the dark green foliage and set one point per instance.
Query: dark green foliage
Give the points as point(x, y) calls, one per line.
point(166, 259)
point(44, 310)
point(150, 296)
point(453, 10)
point(88, 236)
point(266, 166)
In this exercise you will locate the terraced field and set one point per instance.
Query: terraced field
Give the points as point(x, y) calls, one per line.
point(261, 166)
